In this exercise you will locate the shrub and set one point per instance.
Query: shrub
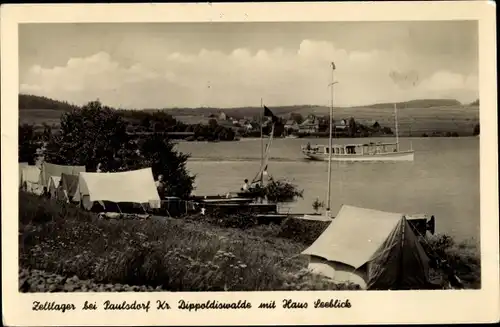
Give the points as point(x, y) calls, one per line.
point(461, 258)
point(301, 230)
point(281, 191)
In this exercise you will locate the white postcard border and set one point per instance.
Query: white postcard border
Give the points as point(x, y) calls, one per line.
point(367, 307)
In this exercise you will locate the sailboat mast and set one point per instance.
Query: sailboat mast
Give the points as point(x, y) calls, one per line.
point(397, 128)
point(261, 139)
point(328, 196)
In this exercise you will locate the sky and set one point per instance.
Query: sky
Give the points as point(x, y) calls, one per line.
point(163, 65)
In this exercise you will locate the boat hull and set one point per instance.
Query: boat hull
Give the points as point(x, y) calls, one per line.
point(387, 156)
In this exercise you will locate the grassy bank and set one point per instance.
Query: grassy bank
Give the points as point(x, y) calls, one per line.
point(174, 255)
point(195, 254)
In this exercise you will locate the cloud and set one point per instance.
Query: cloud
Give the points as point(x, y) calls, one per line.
point(241, 77)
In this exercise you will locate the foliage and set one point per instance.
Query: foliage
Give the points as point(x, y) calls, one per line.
point(159, 153)
point(27, 144)
point(88, 136)
point(301, 230)
point(296, 117)
point(281, 191)
point(317, 205)
point(27, 101)
point(476, 130)
point(352, 128)
point(461, 258)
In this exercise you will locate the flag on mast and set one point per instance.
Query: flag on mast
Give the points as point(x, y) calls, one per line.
point(269, 113)
point(333, 66)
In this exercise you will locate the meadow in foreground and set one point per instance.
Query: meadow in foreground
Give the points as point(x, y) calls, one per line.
point(73, 246)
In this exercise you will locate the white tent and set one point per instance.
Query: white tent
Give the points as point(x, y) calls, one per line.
point(374, 249)
point(21, 166)
point(31, 179)
point(135, 186)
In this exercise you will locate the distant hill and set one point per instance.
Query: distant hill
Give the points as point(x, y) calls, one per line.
point(415, 117)
point(35, 102)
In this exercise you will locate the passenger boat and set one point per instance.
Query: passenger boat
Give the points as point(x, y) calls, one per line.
point(358, 152)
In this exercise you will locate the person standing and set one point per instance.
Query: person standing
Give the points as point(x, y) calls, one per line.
point(160, 186)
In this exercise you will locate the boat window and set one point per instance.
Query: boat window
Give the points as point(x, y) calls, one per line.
point(327, 150)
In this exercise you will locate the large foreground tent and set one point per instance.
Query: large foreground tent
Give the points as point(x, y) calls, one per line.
point(135, 186)
point(374, 249)
point(49, 170)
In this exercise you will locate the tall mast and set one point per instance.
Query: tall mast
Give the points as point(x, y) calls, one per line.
point(261, 139)
point(328, 196)
point(397, 129)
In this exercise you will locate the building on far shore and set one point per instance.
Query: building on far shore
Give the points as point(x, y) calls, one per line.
point(310, 125)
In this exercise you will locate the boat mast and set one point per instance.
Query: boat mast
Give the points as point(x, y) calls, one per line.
point(261, 140)
point(397, 130)
point(328, 196)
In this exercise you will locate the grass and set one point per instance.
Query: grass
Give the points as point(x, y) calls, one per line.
point(192, 254)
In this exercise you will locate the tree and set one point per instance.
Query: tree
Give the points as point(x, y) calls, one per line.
point(26, 144)
point(476, 130)
point(387, 130)
point(212, 124)
point(297, 117)
point(158, 153)
point(88, 136)
point(352, 127)
point(47, 133)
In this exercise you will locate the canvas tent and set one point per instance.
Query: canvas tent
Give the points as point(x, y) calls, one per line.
point(21, 165)
point(53, 185)
point(49, 169)
point(135, 186)
point(30, 179)
point(375, 249)
point(69, 185)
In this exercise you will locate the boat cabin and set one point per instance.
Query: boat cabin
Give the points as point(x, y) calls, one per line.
point(359, 149)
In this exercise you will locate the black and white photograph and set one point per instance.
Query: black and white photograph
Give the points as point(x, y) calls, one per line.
point(248, 156)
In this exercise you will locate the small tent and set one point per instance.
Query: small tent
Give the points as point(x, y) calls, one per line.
point(374, 249)
point(54, 185)
point(21, 165)
point(137, 186)
point(31, 179)
point(49, 170)
point(69, 185)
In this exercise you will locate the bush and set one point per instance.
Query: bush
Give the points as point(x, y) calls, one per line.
point(27, 144)
point(281, 191)
point(301, 230)
point(462, 258)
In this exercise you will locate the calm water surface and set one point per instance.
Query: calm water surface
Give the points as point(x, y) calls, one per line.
point(442, 181)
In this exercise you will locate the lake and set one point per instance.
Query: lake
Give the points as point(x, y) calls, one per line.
point(442, 181)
